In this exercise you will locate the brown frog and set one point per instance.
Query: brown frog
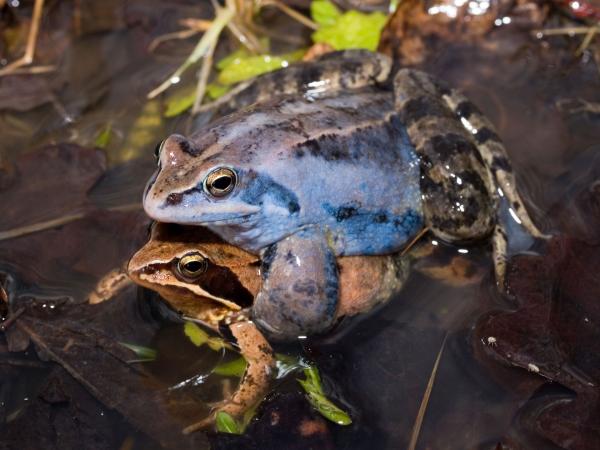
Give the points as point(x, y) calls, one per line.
point(208, 280)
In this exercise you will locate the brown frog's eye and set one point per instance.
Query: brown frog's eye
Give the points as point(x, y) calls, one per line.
point(220, 182)
point(158, 149)
point(192, 265)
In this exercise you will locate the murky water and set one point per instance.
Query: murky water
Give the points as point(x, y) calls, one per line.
point(542, 98)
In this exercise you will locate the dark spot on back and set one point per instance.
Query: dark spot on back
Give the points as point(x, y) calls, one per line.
point(502, 163)
point(485, 134)
point(417, 108)
point(344, 212)
point(465, 109)
point(258, 187)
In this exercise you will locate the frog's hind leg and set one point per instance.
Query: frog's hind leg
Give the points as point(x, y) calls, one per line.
point(494, 155)
point(456, 188)
point(347, 69)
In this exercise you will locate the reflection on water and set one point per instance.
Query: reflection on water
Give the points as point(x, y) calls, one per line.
point(543, 101)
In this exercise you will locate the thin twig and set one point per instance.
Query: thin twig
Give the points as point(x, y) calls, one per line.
point(184, 34)
point(245, 37)
point(587, 40)
point(414, 436)
point(224, 98)
point(203, 76)
point(223, 17)
point(291, 12)
point(40, 226)
point(35, 70)
point(196, 24)
point(562, 31)
point(414, 241)
point(60, 221)
point(27, 58)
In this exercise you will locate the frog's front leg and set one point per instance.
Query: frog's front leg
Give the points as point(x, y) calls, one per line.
point(300, 289)
point(256, 381)
point(260, 369)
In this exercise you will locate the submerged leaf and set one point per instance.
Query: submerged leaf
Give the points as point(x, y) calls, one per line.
point(143, 353)
point(312, 386)
point(180, 102)
point(235, 368)
point(243, 67)
point(287, 364)
point(227, 424)
point(352, 29)
point(324, 13)
point(216, 90)
point(195, 334)
point(103, 137)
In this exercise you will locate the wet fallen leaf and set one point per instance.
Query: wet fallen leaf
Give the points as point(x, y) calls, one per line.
point(49, 183)
point(235, 368)
point(243, 67)
point(312, 386)
point(103, 138)
point(352, 29)
point(85, 341)
point(281, 421)
point(324, 12)
point(143, 353)
point(226, 424)
point(553, 333)
point(180, 101)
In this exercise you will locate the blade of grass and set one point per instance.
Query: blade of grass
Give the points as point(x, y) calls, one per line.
point(222, 18)
point(414, 436)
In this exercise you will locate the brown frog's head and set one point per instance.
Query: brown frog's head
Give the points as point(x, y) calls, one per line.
point(196, 272)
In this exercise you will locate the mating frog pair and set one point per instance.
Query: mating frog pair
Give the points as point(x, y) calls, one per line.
point(346, 161)
point(215, 283)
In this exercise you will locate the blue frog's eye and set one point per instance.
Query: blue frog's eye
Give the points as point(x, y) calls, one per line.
point(158, 149)
point(220, 182)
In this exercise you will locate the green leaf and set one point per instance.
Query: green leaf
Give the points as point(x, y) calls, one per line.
point(216, 90)
point(312, 376)
point(324, 13)
point(287, 364)
point(244, 67)
point(195, 334)
point(248, 416)
point(143, 353)
point(180, 102)
point(103, 138)
point(312, 386)
point(352, 30)
point(235, 368)
point(227, 424)
point(241, 52)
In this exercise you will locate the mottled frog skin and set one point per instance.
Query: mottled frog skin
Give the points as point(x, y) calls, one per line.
point(358, 168)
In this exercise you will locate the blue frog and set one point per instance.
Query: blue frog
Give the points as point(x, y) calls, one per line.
point(348, 160)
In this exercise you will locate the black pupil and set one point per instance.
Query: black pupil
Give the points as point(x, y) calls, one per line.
point(194, 266)
point(222, 183)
